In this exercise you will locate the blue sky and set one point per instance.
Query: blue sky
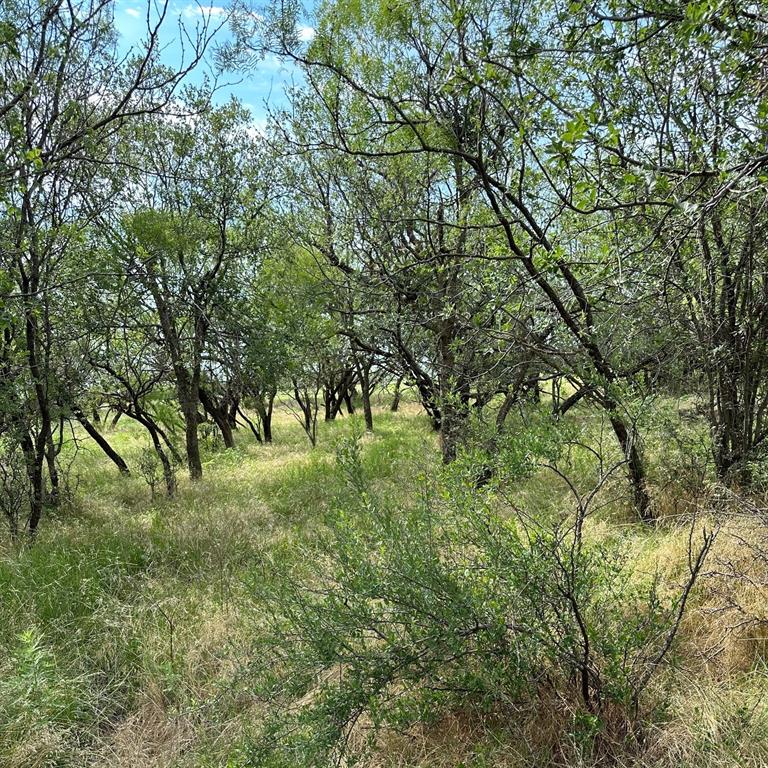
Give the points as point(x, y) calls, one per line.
point(257, 90)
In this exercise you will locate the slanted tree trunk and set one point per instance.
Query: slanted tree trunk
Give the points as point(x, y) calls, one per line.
point(219, 412)
point(148, 423)
point(423, 381)
point(99, 439)
point(510, 398)
point(168, 474)
point(254, 429)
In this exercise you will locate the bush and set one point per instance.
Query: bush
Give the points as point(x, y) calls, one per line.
point(150, 469)
point(39, 704)
point(153, 468)
point(401, 615)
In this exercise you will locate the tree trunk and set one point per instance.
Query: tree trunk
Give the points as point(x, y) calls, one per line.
point(234, 402)
point(192, 443)
point(250, 425)
point(188, 392)
point(363, 369)
point(264, 406)
point(365, 390)
point(266, 419)
point(34, 461)
point(154, 432)
point(37, 449)
point(556, 383)
point(220, 414)
point(168, 474)
point(309, 412)
point(396, 399)
point(349, 395)
point(506, 406)
point(451, 430)
point(99, 439)
point(37, 481)
point(635, 468)
point(53, 471)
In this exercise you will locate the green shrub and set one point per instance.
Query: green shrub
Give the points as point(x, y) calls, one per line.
point(39, 703)
point(400, 615)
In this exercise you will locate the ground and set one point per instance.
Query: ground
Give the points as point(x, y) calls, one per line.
point(127, 631)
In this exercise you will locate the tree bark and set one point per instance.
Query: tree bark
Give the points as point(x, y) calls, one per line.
point(635, 468)
point(264, 407)
point(189, 400)
point(220, 414)
point(99, 439)
point(250, 425)
point(396, 399)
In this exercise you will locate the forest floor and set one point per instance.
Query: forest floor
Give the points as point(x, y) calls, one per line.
point(127, 631)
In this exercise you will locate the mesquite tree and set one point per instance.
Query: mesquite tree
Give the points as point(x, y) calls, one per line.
point(66, 92)
point(679, 123)
point(480, 86)
point(196, 199)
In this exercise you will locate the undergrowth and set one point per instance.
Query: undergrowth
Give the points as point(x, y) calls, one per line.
point(198, 630)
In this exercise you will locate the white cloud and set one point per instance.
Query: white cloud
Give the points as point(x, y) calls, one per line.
point(135, 12)
point(271, 63)
point(192, 10)
point(306, 34)
point(257, 128)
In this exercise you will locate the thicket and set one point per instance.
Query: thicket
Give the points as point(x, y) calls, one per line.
point(402, 613)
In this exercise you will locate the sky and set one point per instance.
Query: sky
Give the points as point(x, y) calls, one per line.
point(257, 90)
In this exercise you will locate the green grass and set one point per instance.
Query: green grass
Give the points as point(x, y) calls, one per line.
point(128, 630)
point(130, 621)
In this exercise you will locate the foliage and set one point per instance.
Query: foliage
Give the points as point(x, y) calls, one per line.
point(14, 484)
point(39, 702)
point(410, 612)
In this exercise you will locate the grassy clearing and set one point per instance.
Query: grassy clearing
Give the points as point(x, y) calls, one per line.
point(129, 629)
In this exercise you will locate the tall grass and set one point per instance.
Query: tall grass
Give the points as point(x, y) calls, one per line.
point(129, 630)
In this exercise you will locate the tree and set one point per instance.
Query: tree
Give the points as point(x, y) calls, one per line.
point(403, 242)
point(66, 92)
point(205, 198)
point(681, 133)
point(478, 86)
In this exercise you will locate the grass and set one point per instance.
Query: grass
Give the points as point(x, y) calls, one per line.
point(128, 629)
